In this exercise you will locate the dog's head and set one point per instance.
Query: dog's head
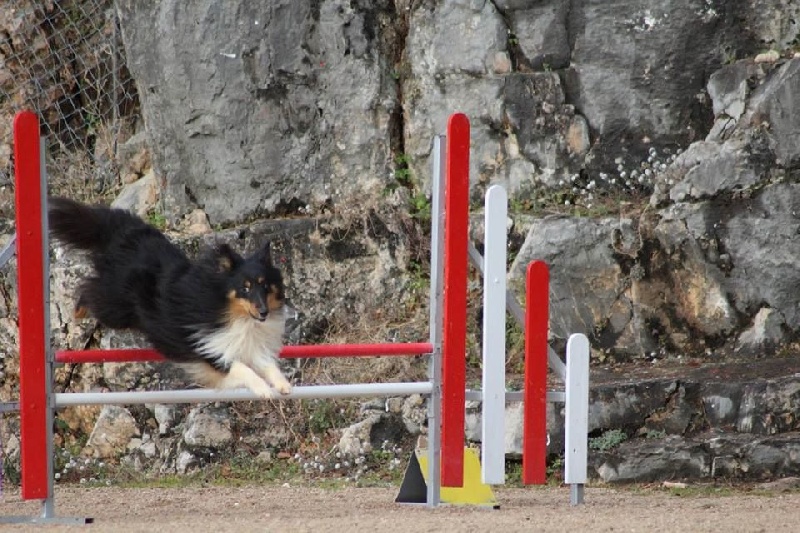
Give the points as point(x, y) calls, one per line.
point(255, 286)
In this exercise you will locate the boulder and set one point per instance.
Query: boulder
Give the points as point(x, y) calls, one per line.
point(114, 429)
point(273, 109)
point(207, 427)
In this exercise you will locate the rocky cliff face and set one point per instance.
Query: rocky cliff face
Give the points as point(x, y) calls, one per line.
point(651, 153)
point(274, 108)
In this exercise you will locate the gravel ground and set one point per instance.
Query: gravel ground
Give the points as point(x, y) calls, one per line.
point(299, 509)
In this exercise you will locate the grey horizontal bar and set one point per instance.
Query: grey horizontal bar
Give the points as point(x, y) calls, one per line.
point(358, 390)
point(517, 396)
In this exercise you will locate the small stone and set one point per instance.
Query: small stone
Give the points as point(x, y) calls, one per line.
point(197, 223)
point(139, 196)
point(501, 63)
point(185, 462)
point(770, 56)
point(265, 457)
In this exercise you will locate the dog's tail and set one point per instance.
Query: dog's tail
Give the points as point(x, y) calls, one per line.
point(87, 227)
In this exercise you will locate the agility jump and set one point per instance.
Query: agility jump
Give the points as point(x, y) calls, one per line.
point(445, 388)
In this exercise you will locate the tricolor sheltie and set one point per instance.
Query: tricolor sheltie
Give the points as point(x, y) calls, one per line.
point(221, 315)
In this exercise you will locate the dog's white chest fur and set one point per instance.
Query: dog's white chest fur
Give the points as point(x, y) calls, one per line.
point(244, 340)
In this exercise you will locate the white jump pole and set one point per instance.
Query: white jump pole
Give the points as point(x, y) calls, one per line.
point(497, 299)
point(353, 390)
point(493, 458)
point(576, 427)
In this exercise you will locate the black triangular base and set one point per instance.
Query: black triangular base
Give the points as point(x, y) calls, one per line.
point(413, 489)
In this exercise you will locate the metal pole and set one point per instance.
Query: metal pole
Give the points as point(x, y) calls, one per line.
point(355, 390)
point(436, 324)
point(8, 250)
point(49, 504)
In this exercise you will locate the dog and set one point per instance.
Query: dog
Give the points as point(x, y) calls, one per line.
point(222, 316)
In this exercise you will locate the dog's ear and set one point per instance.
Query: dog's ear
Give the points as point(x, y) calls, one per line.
point(264, 255)
point(226, 258)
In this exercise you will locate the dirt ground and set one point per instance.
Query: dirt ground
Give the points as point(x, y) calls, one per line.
point(301, 509)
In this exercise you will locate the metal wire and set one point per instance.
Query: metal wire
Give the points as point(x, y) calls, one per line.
point(65, 60)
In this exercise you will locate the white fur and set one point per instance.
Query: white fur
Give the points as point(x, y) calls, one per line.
point(251, 349)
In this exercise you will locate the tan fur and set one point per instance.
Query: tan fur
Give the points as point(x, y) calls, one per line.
point(241, 308)
point(273, 302)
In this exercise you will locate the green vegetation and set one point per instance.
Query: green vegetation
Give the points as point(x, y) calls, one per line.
point(157, 220)
point(608, 440)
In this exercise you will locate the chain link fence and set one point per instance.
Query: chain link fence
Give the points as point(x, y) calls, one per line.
point(65, 61)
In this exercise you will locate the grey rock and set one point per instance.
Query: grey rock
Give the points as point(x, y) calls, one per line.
point(149, 449)
point(768, 407)
point(67, 270)
point(702, 302)
point(657, 101)
point(165, 416)
point(145, 446)
point(523, 133)
point(478, 28)
point(541, 32)
point(772, 107)
point(721, 403)
point(372, 433)
point(473, 421)
point(548, 133)
point(444, 78)
point(589, 291)
point(355, 439)
point(207, 427)
point(241, 99)
point(133, 156)
point(781, 485)
point(717, 423)
point(766, 332)
point(415, 414)
point(186, 462)
point(114, 429)
point(715, 455)
point(760, 238)
point(721, 168)
point(670, 458)
point(775, 22)
point(728, 88)
point(264, 457)
point(138, 197)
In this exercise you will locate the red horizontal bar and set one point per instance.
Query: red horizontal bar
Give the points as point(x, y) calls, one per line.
point(289, 352)
point(355, 350)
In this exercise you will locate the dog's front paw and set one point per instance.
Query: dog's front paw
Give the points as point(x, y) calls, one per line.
point(263, 391)
point(284, 387)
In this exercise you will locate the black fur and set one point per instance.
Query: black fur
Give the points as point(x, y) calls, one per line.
point(143, 281)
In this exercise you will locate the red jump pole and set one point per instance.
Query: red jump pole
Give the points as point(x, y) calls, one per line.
point(33, 337)
point(456, 228)
point(128, 355)
point(534, 433)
